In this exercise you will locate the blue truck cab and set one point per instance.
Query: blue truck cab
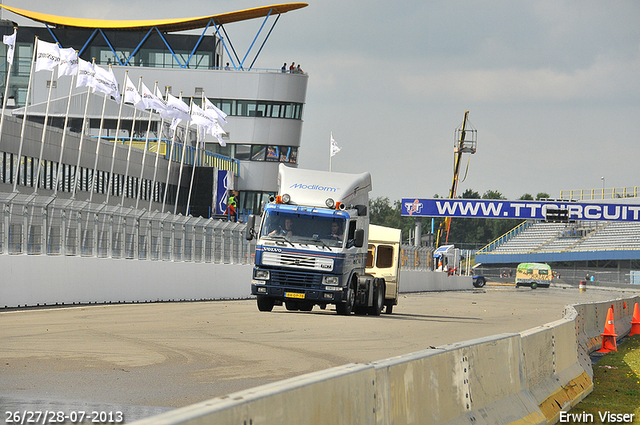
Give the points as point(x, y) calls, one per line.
point(312, 244)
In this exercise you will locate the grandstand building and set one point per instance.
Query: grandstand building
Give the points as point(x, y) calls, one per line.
point(608, 249)
point(264, 110)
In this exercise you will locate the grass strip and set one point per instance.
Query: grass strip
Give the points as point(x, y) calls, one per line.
point(616, 390)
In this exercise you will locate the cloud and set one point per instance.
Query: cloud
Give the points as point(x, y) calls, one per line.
point(604, 80)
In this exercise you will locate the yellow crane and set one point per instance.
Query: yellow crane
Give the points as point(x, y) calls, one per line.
point(466, 140)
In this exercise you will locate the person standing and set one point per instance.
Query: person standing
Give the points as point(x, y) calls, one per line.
point(284, 68)
point(232, 211)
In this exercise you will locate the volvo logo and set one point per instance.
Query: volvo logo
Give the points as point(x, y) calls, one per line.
point(268, 248)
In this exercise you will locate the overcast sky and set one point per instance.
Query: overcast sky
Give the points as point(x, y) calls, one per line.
point(552, 86)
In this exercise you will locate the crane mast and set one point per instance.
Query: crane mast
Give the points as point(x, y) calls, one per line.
point(463, 145)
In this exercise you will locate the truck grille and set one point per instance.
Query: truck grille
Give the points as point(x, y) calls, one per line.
point(297, 261)
point(293, 278)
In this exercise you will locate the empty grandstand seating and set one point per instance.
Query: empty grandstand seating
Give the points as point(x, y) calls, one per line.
point(578, 236)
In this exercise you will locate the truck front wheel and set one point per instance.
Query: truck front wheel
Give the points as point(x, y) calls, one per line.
point(345, 308)
point(265, 303)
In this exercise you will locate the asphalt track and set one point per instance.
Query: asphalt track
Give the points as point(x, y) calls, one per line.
point(143, 359)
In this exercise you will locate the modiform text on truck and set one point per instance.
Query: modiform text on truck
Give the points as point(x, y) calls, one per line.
point(313, 246)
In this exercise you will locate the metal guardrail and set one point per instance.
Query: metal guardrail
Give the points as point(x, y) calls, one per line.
point(416, 258)
point(603, 193)
point(38, 225)
point(504, 238)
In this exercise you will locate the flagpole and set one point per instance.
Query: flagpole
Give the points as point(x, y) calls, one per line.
point(95, 164)
point(155, 167)
point(24, 119)
point(44, 132)
point(193, 171)
point(64, 137)
point(84, 123)
point(126, 173)
point(146, 148)
point(166, 187)
point(6, 87)
point(330, 151)
point(184, 151)
point(115, 144)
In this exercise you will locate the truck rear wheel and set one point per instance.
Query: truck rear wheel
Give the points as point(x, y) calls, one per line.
point(378, 298)
point(265, 303)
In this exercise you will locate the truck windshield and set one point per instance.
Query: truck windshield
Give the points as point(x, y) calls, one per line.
point(328, 231)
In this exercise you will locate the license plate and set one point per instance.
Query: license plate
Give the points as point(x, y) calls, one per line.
point(294, 295)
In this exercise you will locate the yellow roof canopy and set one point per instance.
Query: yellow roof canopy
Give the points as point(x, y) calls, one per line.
point(163, 25)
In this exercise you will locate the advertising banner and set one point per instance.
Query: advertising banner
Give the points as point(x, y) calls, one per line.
point(522, 210)
point(223, 186)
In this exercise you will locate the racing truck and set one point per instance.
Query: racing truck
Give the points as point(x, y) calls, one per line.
point(313, 246)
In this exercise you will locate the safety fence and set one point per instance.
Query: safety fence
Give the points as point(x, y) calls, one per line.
point(37, 225)
point(416, 258)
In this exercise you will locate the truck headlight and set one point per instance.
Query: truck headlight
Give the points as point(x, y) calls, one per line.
point(330, 280)
point(261, 274)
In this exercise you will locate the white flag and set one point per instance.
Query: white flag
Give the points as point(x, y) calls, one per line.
point(106, 83)
point(132, 96)
point(334, 146)
point(68, 62)
point(221, 141)
point(218, 132)
point(150, 100)
point(215, 112)
point(86, 73)
point(178, 109)
point(48, 56)
point(10, 41)
point(201, 118)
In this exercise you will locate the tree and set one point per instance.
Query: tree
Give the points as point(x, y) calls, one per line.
point(526, 197)
point(542, 195)
point(383, 214)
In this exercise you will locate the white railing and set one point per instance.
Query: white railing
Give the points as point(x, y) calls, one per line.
point(37, 225)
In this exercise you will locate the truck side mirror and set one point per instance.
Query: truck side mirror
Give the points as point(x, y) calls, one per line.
point(250, 230)
point(359, 238)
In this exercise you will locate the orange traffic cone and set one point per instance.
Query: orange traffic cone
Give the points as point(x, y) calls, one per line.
point(635, 322)
point(609, 335)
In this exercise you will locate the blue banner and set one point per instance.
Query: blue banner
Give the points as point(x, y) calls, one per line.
point(222, 191)
point(523, 210)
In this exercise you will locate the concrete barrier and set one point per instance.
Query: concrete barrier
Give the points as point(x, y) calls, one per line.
point(421, 281)
point(33, 280)
point(556, 378)
point(456, 383)
point(525, 378)
point(343, 395)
